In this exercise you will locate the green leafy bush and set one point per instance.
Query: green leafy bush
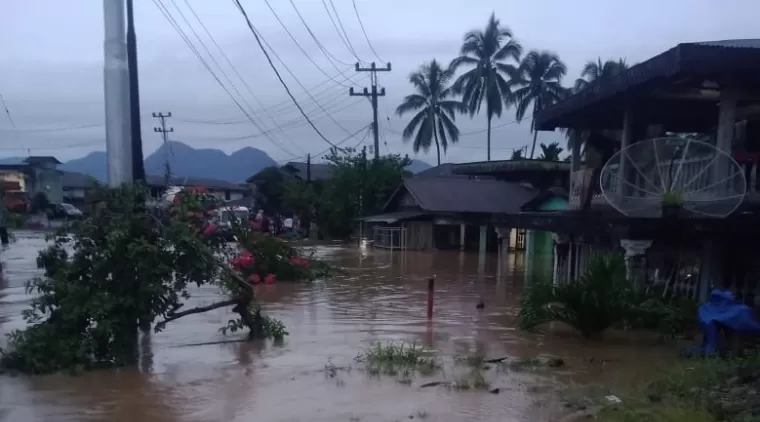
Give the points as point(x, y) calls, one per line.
point(597, 300)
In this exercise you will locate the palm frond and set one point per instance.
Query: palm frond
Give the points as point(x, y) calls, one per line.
point(410, 103)
point(413, 124)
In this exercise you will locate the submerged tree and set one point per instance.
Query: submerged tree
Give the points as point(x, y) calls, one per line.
point(127, 263)
point(486, 53)
point(436, 110)
point(550, 152)
point(538, 81)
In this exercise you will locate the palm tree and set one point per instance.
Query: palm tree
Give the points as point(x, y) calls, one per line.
point(598, 70)
point(517, 154)
point(592, 72)
point(437, 110)
point(485, 53)
point(550, 152)
point(539, 79)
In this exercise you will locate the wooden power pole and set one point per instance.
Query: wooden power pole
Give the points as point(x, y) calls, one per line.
point(372, 94)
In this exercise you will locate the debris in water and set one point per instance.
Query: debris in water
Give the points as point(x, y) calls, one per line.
point(613, 399)
point(497, 360)
point(495, 390)
point(481, 305)
point(434, 384)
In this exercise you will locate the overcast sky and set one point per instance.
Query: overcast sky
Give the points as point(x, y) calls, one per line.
point(51, 57)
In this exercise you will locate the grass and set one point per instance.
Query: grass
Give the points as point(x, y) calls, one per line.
point(693, 391)
point(392, 359)
point(474, 380)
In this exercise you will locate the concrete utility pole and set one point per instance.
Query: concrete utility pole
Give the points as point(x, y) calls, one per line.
point(116, 90)
point(138, 166)
point(165, 136)
point(372, 94)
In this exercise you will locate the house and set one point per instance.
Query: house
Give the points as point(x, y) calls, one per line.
point(447, 212)
point(710, 88)
point(76, 186)
point(36, 174)
point(222, 189)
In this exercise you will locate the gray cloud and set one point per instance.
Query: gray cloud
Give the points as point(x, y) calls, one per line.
point(51, 71)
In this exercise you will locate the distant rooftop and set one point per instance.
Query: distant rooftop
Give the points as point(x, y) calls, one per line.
point(41, 159)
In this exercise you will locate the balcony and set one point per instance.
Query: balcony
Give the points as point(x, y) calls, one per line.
point(692, 170)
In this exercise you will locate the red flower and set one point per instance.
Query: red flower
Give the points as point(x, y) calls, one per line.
point(210, 229)
point(199, 189)
point(243, 261)
point(297, 260)
point(254, 279)
point(270, 278)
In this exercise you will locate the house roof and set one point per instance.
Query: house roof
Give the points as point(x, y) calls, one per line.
point(159, 181)
point(76, 180)
point(319, 171)
point(488, 167)
point(464, 195)
point(445, 169)
point(598, 106)
point(41, 159)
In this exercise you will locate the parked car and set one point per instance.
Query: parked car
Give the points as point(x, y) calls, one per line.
point(64, 211)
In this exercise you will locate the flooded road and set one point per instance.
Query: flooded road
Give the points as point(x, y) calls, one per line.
point(381, 298)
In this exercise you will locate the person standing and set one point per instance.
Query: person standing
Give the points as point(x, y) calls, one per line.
point(3, 220)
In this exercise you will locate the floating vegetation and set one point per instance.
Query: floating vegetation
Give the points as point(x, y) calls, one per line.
point(392, 359)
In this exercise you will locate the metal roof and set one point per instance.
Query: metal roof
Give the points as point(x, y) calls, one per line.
point(738, 58)
point(464, 195)
point(392, 217)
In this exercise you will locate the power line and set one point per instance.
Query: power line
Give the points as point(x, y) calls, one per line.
point(55, 148)
point(331, 58)
point(344, 37)
point(366, 37)
point(275, 109)
point(7, 112)
point(274, 68)
point(341, 142)
point(293, 38)
point(58, 129)
point(187, 41)
point(234, 69)
point(295, 123)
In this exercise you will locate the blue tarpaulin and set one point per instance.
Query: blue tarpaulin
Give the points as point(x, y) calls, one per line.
point(723, 310)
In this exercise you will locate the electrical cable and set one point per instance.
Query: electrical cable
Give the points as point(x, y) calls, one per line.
point(330, 57)
point(293, 38)
point(366, 37)
point(344, 37)
point(274, 68)
point(187, 41)
point(234, 69)
point(7, 112)
point(58, 129)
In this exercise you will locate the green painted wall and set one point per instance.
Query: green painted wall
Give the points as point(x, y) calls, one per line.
point(539, 254)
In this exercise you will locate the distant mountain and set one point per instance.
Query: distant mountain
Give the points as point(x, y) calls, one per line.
point(186, 161)
point(417, 166)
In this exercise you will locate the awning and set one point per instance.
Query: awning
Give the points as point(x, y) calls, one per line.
point(392, 217)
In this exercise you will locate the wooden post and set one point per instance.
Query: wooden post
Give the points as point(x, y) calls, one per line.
point(431, 292)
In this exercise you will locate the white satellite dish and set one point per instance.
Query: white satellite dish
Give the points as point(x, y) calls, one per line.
point(654, 177)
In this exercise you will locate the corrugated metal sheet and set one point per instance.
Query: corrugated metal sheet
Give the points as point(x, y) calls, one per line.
point(454, 194)
point(745, 43)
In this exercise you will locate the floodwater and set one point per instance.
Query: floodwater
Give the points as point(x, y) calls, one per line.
point(381, 298)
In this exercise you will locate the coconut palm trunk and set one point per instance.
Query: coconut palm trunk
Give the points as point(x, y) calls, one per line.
point(533, 128)
point(488, 139)
point(437, 145)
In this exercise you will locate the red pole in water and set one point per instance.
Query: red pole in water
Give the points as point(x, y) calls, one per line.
point(431, 288)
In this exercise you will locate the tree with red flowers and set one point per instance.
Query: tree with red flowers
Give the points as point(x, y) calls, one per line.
point(127, 263)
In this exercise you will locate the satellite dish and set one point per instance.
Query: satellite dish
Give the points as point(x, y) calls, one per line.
point(654, 177)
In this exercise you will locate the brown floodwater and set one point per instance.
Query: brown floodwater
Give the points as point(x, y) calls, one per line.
point(184, 376)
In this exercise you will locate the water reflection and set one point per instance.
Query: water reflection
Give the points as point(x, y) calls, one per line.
point(189, 372)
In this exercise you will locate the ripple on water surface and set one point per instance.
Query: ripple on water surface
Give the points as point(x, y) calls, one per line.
point(186, 374)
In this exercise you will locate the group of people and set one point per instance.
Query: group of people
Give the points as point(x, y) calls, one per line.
point(279, 225)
